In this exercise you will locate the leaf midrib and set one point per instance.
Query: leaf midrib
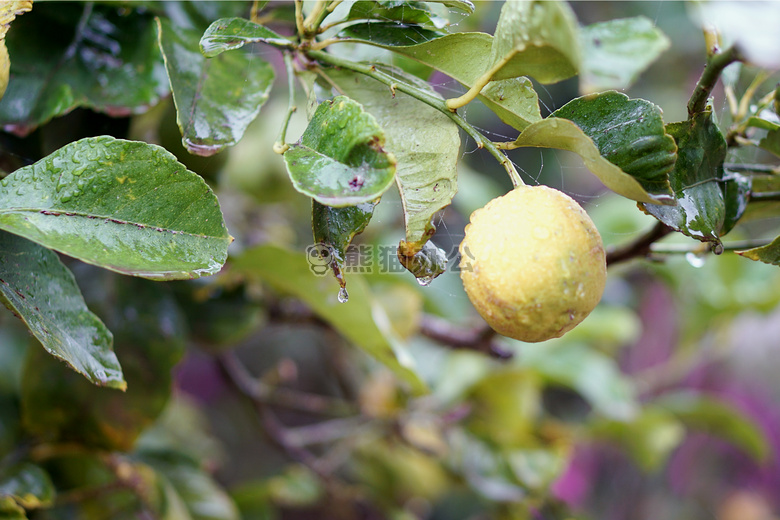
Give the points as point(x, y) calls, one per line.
point(108, 219)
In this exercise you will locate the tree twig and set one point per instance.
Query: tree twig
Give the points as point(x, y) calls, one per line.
point(716, 61)
point(480, 339)
point(640, 247)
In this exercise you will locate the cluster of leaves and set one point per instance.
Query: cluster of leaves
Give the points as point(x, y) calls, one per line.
point(131, 207)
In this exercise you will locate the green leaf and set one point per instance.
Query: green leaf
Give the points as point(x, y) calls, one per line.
point(232, 33)
point(771, 142)
point(622, 141)
point(340, 159)
point(535, 38)
point(425, 143)
point(404, 12)
point(736, 195)
point(29, 485)
point(649, 439)
point(706, 413)
point(216, 98)
point(123, 205)
point(768, 254)
point(696, 180)
point(80, 55)
point(464, 5)
point(616, 52)
point(42, 292)
point(463, 57)
point(203, 497)
point(334, 229)
point(591, 373)
point(362, 320)
point(149, 337)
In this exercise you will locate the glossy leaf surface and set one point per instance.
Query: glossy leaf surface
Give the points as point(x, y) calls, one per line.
point(29, 485)
point(425, 143)
point(341, 158)
point(123, 205)
point(361, 320)
point(405, 12)
point(622, 141)
point(463, 57)
point(149, 337)
point(80, 55)
point(215, 98)
point(696, 180)
point(334, 229)
point(616, 52)
point(232, 33)
point(535, 38)
point(39, 289)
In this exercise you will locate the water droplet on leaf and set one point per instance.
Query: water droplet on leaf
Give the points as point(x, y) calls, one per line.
point(343, 295)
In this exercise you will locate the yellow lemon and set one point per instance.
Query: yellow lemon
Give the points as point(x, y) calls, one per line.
point(533, 263)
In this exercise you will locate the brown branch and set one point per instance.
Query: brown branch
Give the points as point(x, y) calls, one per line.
point(639, 248)
point(480, 339)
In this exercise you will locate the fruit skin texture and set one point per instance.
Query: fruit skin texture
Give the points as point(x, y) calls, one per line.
point(532, 263)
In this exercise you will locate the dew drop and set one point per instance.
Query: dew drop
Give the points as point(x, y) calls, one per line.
point(694, 260)
point(343, 295)
point(4, 182)
point(425, 281)
point(717, 249)
point(65, 197)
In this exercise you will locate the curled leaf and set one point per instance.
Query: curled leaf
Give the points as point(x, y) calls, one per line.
point(340, 159)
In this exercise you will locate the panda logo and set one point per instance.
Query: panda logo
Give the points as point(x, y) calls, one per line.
point(319, 256)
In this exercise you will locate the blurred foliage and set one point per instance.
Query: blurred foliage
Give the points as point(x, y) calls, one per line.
point(255, 394)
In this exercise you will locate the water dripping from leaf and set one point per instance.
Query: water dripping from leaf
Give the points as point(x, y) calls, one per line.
point(343, 295)
point(695, 260)
point(425, 281)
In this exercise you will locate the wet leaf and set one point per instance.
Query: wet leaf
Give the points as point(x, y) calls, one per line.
point(232, 33)
point(464, 5)
point(463, 57)
point(69, 55)
point(28, 485)
point(149, 338)
point(535, 38)
point(39, 289)
point(714, 416)
point(616, 52)
point(9, 9)
point(404, 12)
point(334, 229)
point(736, 195)
point(622, 141)
point(696, 180)
point(425, 143)
point(340, 159)
point(215, 98)
point(361, 320)
point(629, 133)
point(122, 205)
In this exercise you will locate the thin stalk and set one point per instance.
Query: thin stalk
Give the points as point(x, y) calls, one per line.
point(427, 98)
point(455, 103)
point(682, 249)
point(300, 26)
point(716, 62)
point(281, 146)
point(315, 18)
